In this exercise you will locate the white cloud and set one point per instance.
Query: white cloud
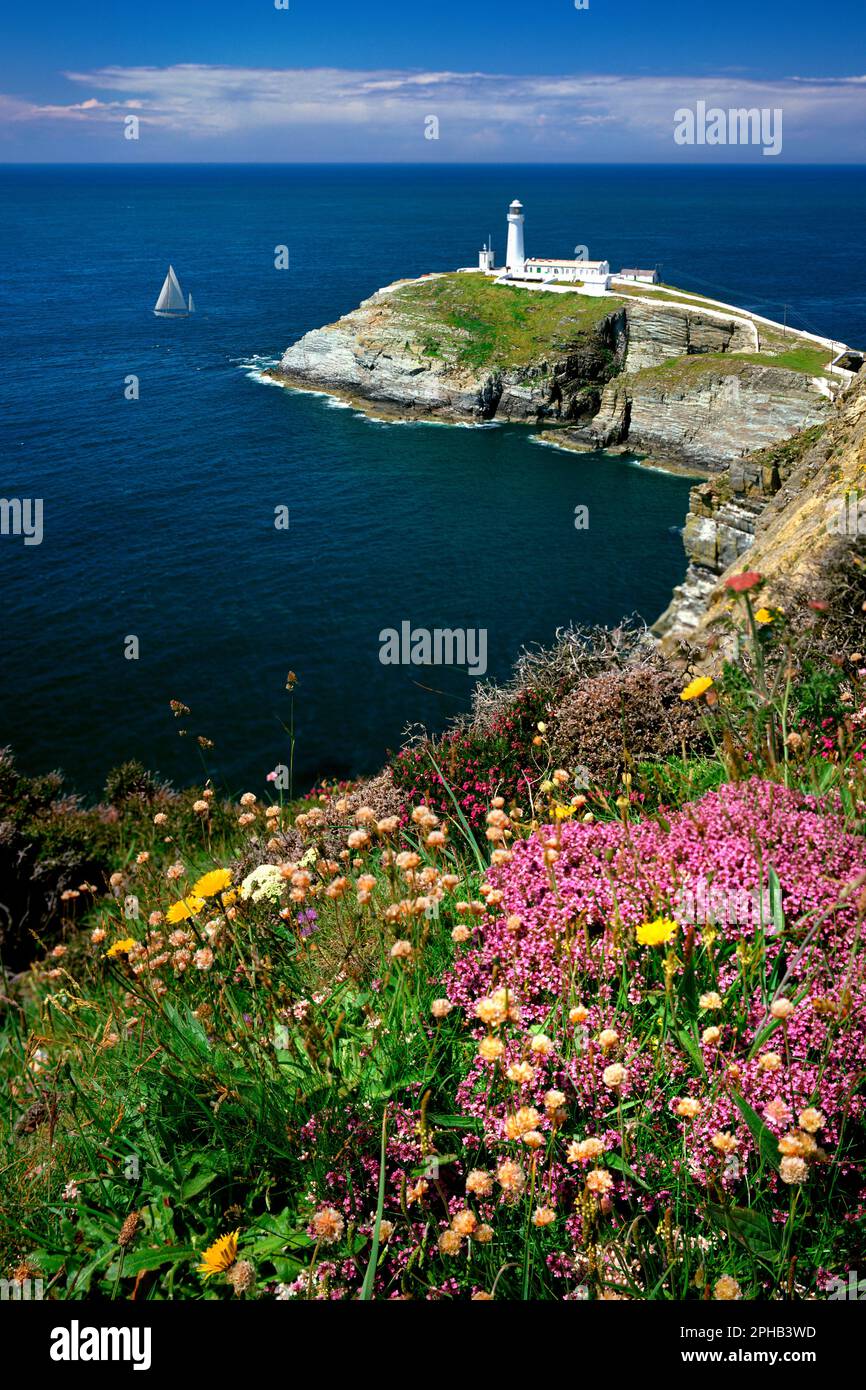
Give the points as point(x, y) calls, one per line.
point(560, 117)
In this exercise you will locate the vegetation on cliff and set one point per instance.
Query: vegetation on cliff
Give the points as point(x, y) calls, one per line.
point(589, 1027)
point(787, 506)
point(682, 371)
point(469, 321)
point(654, 370)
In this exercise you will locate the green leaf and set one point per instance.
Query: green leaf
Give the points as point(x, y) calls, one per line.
point(765, 1139)
point(751, 1228)
point(422, 1169)
point(618, 1162)
point(776, 909)
point(690, 1046)
point(453, 1121)
point(689, 986)
point(276, 1245)
point(367, 1287)
point(467, 829)
point(196, 1183)
point(154, 1259)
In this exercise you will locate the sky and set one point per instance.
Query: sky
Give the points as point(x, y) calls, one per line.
point(434, 80)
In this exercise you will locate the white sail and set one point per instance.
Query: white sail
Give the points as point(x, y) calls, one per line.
point(191, 305)
point(171, 300)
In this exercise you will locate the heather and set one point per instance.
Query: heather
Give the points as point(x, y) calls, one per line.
point(503, 1023)
point(599, 702)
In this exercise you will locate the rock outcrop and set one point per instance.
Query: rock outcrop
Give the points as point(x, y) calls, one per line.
point(377, 355)
point(666, 378)
point(783, 511)
point(687, 383)
point(706, 411)
point(659, 332)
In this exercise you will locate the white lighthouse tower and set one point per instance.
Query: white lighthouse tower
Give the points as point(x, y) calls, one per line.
point(514, 257)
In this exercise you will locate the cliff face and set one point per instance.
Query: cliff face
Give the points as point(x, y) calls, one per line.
point(659, 332)
point(667, 378)
point(706, 411)
point(781, 511)
point(684, 382)
point(412, 357)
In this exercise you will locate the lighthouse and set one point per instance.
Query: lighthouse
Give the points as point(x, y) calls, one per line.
point(514, 256)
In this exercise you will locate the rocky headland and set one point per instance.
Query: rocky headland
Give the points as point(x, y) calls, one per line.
point(750, 407)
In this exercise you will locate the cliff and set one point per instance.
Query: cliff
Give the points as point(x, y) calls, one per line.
point(681, 380)
point(785, 511)
point(706, 411)
point(688, 382)
point(456, 347)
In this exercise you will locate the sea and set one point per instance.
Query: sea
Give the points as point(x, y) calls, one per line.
point(162, 457)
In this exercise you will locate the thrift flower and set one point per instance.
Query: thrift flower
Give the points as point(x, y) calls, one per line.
point(327, 1225)
point(793, 1170)
point(811, 1120)
point(741, 583)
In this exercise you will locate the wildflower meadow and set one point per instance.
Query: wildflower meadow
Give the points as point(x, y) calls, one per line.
point(533, 1016)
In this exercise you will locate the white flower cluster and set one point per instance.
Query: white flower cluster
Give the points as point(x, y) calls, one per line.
point(264, 884)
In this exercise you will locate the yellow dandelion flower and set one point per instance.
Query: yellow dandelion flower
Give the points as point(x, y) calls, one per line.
point(658, 932)
point(563, 812)
point(699, 686)
point(185, 907)
point(763, 615)
point(121, 948)
point(212, 883)
point(220, 1256)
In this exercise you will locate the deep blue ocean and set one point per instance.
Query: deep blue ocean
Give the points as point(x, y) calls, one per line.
point(158, 513)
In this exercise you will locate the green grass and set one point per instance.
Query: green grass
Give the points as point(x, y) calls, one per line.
point(475, 323)
point(685, 370)
point(669, 294)
point(467, 321)
point(812, 361)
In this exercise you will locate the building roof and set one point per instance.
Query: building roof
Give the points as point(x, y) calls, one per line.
point(561, 260)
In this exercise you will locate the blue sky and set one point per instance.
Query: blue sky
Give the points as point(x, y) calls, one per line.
point(357, 79)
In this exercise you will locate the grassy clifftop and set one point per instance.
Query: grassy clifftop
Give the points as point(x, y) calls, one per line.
point(808, 360)
point(468, 321)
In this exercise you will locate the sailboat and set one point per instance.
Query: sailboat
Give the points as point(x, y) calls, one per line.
point(171, 303)
point(191, 309)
